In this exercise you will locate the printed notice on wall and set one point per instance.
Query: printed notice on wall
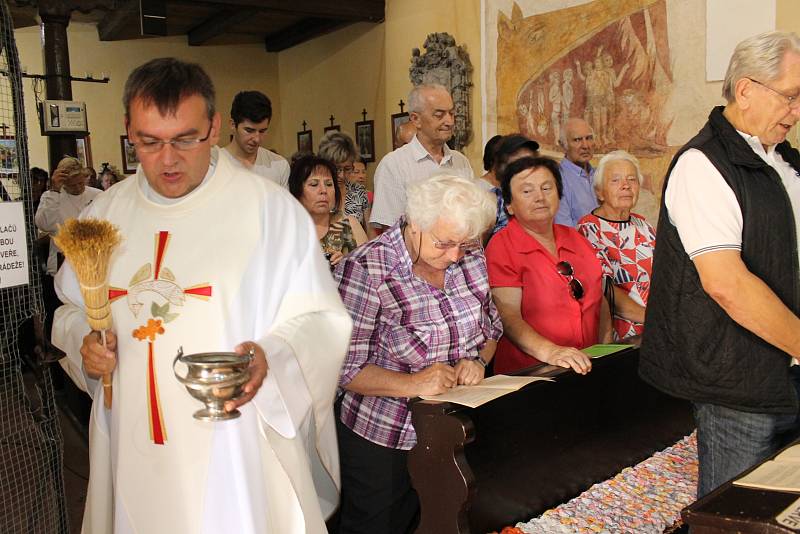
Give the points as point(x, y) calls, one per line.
point(13, 245)
point(790, 518)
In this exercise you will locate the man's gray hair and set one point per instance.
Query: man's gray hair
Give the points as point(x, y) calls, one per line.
point(455, 199)
point(611, 157)
point(337, 147)
point(758, 57)
point(415, 100)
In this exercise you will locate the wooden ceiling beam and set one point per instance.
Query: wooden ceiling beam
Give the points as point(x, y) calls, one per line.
point(219, 24)
point(121, 17)
point(302, 31)
point(350, 10)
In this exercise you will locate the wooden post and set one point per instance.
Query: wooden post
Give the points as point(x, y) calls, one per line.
point(55, 16)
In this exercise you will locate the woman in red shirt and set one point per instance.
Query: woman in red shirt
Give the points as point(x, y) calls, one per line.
point(546, 280)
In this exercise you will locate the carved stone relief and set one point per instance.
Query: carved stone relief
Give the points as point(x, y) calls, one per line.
point(446, 63)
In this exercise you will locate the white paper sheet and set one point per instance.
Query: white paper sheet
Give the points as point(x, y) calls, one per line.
point(727, 23)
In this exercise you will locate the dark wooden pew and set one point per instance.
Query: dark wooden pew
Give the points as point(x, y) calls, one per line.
point(479, 469)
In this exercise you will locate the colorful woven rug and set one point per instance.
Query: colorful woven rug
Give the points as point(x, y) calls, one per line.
point(643, 499)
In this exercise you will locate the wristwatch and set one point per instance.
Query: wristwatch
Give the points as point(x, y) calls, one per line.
point(483, 362)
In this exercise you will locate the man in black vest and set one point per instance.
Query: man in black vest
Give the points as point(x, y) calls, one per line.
point(722, 320)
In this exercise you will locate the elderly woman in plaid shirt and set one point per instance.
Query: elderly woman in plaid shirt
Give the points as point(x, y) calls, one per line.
point(423, 322)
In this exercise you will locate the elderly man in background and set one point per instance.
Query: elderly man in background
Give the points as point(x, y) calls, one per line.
point(251, 113)
point(431, 111)
point(197, 263)
point(722, 320)
point(577, 140)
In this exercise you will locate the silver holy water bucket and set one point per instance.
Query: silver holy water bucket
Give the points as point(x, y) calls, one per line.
point(214, 378)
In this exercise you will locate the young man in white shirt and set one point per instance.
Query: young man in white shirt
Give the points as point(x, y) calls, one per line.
point(251, 113)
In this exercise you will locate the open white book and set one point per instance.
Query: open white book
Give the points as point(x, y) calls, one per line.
point(780, 474)
point(489, 389)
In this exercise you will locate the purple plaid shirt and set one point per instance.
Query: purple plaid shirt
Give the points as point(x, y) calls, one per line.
point(402, 323)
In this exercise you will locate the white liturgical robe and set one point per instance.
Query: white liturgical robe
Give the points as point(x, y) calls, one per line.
point(235, 260)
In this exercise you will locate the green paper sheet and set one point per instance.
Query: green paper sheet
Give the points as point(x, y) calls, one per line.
point(600, 350)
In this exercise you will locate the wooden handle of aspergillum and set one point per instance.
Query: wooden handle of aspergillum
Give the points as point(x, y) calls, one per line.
point(107, 390)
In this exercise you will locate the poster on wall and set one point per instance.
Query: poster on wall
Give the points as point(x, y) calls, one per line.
point(13, 245)
point(8, 155)
point(607, 61)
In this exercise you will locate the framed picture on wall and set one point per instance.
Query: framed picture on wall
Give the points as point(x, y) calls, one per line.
point(129, 159)
point(8, 155)
point(397, 120)
point(365, 138)
point(84, 154)
point(332, 128)
point(305, 141)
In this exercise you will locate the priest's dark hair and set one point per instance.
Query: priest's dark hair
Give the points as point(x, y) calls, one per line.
point(303, 168)
point(165, 82)
point(253, 106)
point(528, 163)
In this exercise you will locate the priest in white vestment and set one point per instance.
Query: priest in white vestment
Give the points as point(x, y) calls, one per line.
point(212, 258)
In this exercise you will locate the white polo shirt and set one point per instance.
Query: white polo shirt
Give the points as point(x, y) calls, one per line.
point(268, 164)
point(402, 166)
point(703, 207)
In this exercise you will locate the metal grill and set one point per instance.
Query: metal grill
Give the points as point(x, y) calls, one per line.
point(31, 481)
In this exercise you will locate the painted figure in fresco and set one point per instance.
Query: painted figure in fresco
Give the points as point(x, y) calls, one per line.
point(542, 126)
point(555, 103)
point(643, 132)
point(612, 80)
point(567, 94)
point(540, 85)
point(526, 111)
point(598, 86)
point(591, 93)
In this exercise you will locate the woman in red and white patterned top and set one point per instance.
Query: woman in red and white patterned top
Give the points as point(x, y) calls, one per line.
point(624, 240)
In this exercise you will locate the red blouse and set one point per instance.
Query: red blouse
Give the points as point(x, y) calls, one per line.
point(517, 259)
